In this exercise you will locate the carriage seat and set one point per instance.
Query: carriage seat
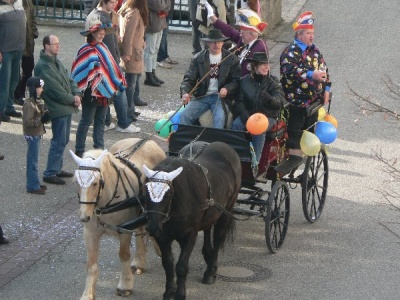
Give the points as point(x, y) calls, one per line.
point(206, 119)
point(277, 131)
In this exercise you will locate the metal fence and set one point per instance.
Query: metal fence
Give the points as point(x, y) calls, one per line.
point(72, 11)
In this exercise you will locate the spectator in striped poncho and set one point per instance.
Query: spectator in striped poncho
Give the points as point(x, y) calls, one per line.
point(99, 77)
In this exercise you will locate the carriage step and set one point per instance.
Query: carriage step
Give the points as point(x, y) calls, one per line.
point(246, 212)
point(289, 164)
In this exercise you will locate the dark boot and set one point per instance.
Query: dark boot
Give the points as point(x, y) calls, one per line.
point(3, 240)
point(150, 80)
point(156, 78)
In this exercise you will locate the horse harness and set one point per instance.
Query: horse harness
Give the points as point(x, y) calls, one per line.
point(129, 201)
point(209, 201)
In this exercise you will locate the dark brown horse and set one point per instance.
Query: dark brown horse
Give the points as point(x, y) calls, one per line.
point(185, 195)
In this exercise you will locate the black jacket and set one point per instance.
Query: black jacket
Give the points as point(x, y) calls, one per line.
point(266, 97)
point(228, 75)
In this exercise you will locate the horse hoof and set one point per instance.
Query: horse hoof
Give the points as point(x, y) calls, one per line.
point(124, 293)
point(208, 279)
point(136, 270)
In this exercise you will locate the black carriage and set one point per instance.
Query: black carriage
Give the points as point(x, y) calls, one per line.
point(275, 167)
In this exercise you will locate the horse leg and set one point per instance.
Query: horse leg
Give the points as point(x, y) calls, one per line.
point(139, 261)
point(168, 263)
point(125, 285)
point(220, 231)
point(182, 266)
point(92, 241)
point(207, 246)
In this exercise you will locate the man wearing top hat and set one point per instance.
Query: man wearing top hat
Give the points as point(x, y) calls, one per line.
point(216, 75)
point(304, 78)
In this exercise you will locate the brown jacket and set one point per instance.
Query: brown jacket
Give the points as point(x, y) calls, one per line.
point(32, 117)
point(132, 35)
point(31, 28)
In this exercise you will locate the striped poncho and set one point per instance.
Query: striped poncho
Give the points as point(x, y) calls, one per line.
point(95, 65)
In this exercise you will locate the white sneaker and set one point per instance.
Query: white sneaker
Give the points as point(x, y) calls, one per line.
point(164, 65)
point(130, 129)
point(112, 126)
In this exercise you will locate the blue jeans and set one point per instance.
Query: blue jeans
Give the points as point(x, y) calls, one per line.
point(132, 92)
point(32, 157)
point(163, 50)
point(258, 140)
point(60, 128)
point(153, 41)
point(121, 108)
point(9, 78)
point(91, 112)
point(196, 108)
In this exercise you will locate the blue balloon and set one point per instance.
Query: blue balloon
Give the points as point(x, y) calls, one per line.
point(326, 132)
point(176, 118)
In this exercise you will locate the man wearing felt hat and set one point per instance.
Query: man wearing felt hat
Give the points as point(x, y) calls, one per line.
point(259, 92)
point(213, 74)
point(305, 79)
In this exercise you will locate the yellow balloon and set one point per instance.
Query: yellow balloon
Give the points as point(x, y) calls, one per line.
point(310, 143)
point(321, 113)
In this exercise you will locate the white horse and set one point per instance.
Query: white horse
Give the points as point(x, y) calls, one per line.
point(105, 180)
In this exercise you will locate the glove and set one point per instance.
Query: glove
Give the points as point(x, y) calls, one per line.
point(244, 116)
point(210, 10)
point(45, 118)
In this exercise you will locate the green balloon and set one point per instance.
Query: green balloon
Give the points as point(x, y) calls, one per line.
point(165, 130)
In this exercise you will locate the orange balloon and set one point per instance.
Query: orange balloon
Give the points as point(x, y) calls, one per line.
point(331, 119)
point(257, 123)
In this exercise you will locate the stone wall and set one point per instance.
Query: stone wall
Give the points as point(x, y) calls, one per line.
point(271, 12)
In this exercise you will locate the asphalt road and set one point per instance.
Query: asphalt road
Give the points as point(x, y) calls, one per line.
point(352, 252)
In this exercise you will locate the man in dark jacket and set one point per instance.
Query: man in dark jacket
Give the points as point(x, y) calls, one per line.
point(28, 61)
point(62, 98)
point(12, 44)
point(210, 77)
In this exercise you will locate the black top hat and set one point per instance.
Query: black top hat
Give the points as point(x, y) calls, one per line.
point(260, 57)
point(215, 35)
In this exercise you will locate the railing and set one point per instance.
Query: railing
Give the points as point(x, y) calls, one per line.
point(72, 11)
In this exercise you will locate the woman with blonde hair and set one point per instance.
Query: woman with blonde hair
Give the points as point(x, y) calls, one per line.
point(133, 19)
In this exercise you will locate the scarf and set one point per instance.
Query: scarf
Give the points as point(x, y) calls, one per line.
point(95, 65)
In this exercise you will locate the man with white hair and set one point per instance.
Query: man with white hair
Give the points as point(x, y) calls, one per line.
point(247, 39)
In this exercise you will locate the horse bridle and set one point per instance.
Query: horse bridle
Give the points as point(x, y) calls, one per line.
point(101, 185)
point(167, 214)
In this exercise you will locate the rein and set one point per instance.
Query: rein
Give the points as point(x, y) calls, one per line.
point(126, 183)
point(209, 201)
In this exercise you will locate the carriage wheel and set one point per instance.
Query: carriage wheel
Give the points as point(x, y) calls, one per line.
point(315, 185)
point(277, 217)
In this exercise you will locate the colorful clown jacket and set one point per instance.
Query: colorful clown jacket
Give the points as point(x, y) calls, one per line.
point(296, 74)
